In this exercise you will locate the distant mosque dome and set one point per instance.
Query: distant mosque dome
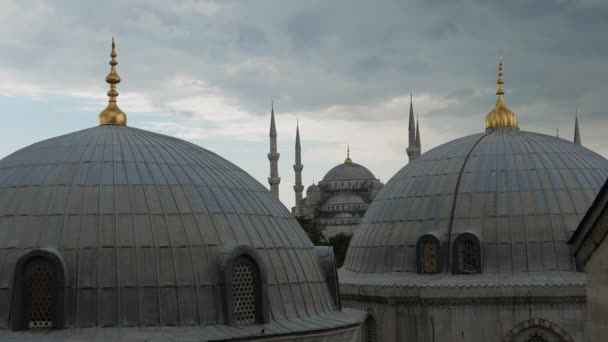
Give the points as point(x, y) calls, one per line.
point(313, 188)
point(349, 171)
point(131, 228)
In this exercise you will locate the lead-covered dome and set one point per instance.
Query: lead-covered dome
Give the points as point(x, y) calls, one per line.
point(142, 223)
point(349, 171)
point(521, 194)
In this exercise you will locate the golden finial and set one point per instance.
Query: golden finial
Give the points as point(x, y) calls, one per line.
point(348, 160)
point(501, 116)
point(112, 115)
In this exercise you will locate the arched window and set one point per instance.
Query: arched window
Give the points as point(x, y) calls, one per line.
point(428, 254)
point(38, 291)
point(467, 256)
point(245, 294)
point(371, 329)
point(537, 330)
point(243, 287)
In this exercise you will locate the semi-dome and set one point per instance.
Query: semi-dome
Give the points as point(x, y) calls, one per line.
point(313, 188)
point(345, 198)
point(349, 171)
point(521, 194)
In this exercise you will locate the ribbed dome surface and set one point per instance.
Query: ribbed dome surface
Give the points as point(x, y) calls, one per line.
point(139, 219)
point(521, 193)
point(349, 171)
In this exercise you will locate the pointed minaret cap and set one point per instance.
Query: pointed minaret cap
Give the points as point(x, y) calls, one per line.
point(577, 132)
point(112, 115)
point(273, 127)
point(348, 160)
point(501, 116)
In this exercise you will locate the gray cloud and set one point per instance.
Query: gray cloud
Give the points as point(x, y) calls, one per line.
point(320, 58)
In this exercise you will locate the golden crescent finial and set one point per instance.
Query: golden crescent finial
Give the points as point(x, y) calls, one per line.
point(113, 115)
point(501, 116)
point(348, 160)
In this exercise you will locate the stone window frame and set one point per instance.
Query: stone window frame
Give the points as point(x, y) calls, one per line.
point(529, 326)
point(462, 238)
point(234, 255)
point(17, 312)
point(420, 254)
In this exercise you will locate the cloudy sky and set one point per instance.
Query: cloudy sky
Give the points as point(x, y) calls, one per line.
point(205, 71)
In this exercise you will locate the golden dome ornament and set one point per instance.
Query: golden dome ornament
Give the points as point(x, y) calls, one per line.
point(501, 116)
point(113, 115)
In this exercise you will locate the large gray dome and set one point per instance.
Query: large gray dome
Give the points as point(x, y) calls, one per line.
point(521, 193)
point(141, 221)
point(349, 171)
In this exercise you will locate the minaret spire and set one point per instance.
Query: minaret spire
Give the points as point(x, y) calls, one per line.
point(413, 150)
point(298, 167)
point(418, 135)
point(112, 115)
point(348, 160)
point(273, 156)
point(577, 133)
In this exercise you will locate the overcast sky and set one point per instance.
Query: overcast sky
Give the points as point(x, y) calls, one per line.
point(205, 71)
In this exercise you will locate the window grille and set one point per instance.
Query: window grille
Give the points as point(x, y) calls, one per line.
point(371, 329)
point(243, 287)
point(536, 337)
point(430, 256)
point(468, 257)
point(42, 290)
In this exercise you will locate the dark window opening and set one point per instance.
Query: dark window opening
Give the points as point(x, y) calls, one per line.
point(430, 254)
point(536, 337)
point(371, 329)
point(40, 292)
point(467, 256)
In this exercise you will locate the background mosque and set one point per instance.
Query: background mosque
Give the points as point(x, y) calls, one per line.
point(339, 201)
point(113, 233)
point(469, 241)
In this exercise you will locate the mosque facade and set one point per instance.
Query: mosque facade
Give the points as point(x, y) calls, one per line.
point(113, 233)
point(468, 242)
point(339, 201)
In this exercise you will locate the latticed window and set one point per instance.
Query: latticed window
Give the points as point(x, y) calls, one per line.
point(243, 287)
point(40, 287)
point(468, 256)
point(430, 256)
point(536, 337)
point(371, 329)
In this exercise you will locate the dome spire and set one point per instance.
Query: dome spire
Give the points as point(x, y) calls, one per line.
point(501, 116)
point(348, 160)
point(112, 115)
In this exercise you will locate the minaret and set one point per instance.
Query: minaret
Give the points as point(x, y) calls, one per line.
point(298, 167)
point(273, 156)
point(412, 150)
point(418, 137)
point(577, 133)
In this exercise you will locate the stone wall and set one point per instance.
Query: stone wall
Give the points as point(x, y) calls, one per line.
point(457, 320)
point(597, 295)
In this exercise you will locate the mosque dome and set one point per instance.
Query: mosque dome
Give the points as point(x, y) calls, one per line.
point(520, 193)
point(142, 229)
point(345, 198)
point(313, 188)
point(503, 201)
point(349, 171)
